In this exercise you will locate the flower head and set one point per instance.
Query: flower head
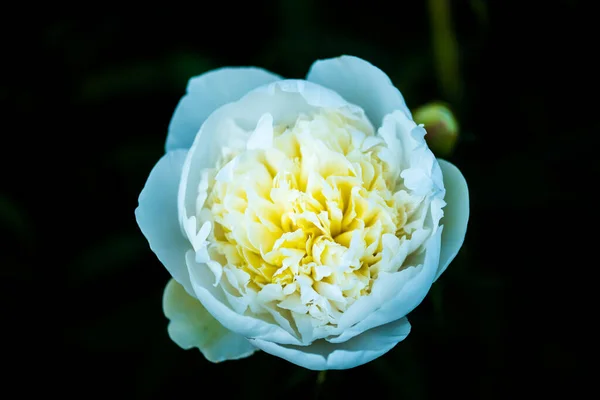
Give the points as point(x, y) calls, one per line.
point(303, 217)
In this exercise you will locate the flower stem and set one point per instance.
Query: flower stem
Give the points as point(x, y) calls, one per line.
point(320, 382)
point(445, 49)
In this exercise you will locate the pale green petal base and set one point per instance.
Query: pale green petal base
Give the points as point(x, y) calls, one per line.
point(192, 326)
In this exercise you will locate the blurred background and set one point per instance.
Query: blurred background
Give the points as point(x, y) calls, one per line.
point(87, 96)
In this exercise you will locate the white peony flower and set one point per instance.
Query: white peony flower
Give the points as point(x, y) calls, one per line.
point(305, 218)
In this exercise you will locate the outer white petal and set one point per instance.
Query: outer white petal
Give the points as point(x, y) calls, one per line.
point(360, 83)
point(322, 355)
point(394, 295)
point(206, 93)
point(192, 326)
point(157, 217)
point(456, 214)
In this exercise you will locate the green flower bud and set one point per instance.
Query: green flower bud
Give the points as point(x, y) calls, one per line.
point(441, 126)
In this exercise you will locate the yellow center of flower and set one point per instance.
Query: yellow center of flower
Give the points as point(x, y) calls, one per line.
point(310, 212)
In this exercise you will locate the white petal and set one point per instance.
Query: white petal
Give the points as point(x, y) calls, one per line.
point(369, 142)
point(289, 289)
point(206, 93)
point(215, 301)
point(417, 180)
point(360, 83)
point(406, 146)
point(322, 355)
point(226, 173)
point(216, 269)
point(192, 326)
point(198, 240)
point(262, 137)
point(157, 218)
point(293, 303)
point(456, 214)
point(330, 291)
point(270, 292)
point(393, 296)
point(286, 99)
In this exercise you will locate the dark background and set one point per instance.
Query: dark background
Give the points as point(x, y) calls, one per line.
point(87, 96)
